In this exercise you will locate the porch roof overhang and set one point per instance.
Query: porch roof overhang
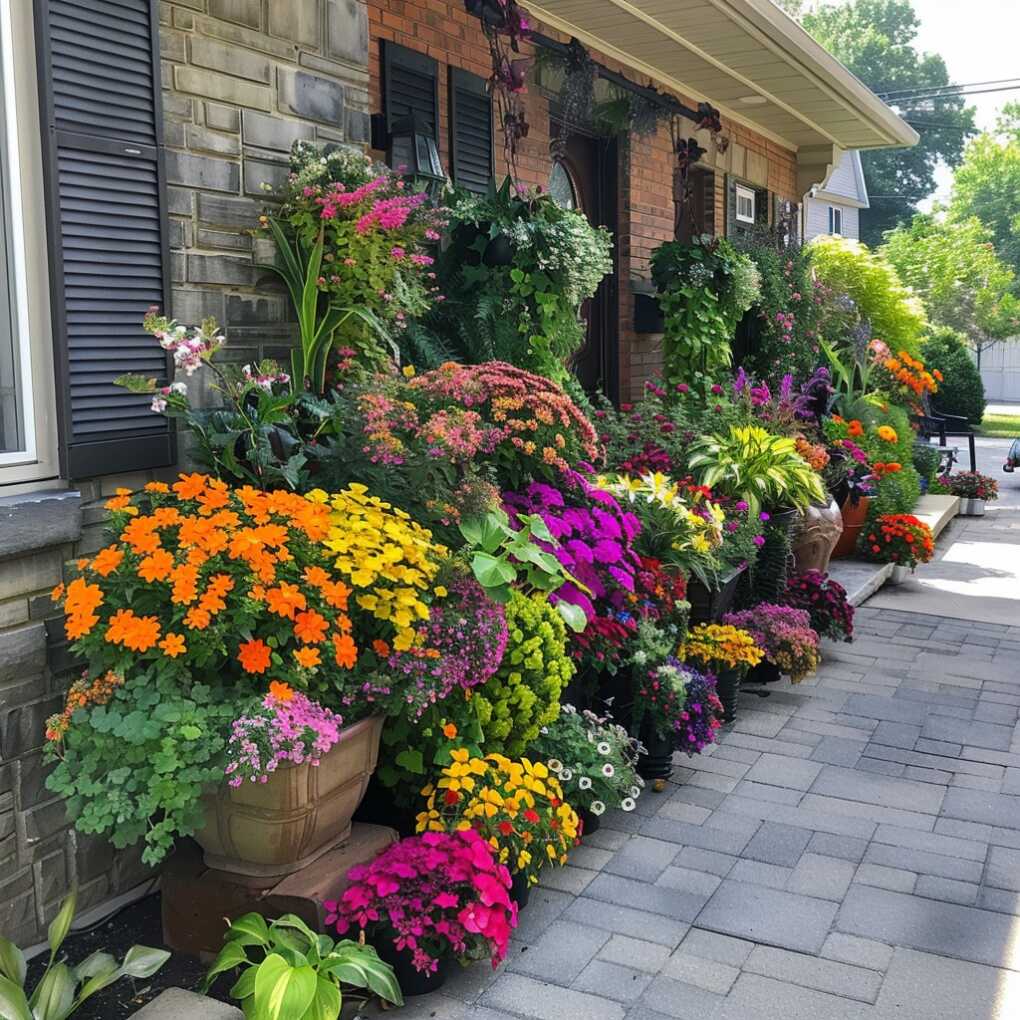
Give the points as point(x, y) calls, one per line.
point(748, 59)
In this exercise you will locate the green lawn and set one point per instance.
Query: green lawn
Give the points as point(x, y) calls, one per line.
point(1004, 425)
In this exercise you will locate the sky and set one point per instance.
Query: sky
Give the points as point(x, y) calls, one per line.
point(979, 41)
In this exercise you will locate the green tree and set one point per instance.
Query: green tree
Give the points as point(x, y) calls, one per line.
point(952, 265)
point(987, 184)
point(875, 40)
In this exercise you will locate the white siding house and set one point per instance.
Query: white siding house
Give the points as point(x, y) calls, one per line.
point(835, 208)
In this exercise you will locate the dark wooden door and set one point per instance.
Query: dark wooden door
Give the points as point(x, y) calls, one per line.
point(584, 177)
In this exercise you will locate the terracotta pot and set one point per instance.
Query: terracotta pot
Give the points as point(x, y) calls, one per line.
point(854, 518)
point(278, 827)
point(815, 537)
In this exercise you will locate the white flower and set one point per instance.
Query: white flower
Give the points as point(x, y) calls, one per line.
point(584, 783)
point(566, 775)
point(544, 731)
point(635, 791)
point(604, 747)
point(608, 771)
point(628, 804)
point(555, 765)
point(569, 709)
point(597, 807)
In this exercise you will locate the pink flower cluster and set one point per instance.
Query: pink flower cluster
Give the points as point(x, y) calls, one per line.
point(390, 213)
point(338, 197)
point(440, 894)
point(288, 728)
point(264, 380)
point(159, 398)
point(189, 351)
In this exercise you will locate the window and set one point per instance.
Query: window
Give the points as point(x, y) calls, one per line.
point(470, 131)
point(410, 86)
point(745, 204)
point(835, 220)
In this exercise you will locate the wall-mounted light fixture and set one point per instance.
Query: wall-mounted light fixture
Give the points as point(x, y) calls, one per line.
point(410, 148)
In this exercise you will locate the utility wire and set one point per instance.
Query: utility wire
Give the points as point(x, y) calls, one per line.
point(930, 88)
point(948, 95)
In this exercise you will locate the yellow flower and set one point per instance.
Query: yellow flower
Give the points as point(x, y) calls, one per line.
point(887, 433)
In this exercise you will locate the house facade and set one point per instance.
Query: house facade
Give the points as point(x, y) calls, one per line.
point(139, 138)
point(835, 209)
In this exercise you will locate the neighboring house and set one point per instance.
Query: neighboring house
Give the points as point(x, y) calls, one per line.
point(136, 140)
point(1000, 371)
point(835, 207)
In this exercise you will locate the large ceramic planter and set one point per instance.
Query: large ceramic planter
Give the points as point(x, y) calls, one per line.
point(854, 519)
point(972, 507)
point(278, 827)
point(709, 604)
point(815, 537)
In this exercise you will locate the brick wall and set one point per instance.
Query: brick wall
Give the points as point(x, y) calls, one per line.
point(40, 854)
point(242, 80)
point(443, 30)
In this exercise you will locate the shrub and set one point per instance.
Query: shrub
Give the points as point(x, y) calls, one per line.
point(894, 313)
point(961, 390)
point(524, 695)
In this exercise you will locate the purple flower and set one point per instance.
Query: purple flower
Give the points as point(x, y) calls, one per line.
point(763, 516)
point(759, 540)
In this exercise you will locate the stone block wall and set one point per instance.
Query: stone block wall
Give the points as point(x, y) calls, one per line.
point(243, 80)
point(41, 856)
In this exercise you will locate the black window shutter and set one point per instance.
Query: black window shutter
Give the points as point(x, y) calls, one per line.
point(106, 219)
point(732, 227)
point(471, 164)
point(410, 85)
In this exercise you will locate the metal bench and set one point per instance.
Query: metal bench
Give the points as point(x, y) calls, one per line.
point(945, 427)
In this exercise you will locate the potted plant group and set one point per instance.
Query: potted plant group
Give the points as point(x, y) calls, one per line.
point(786, 637)
point(206, 597)
point(900, 539)
point(594, 760)
point(429, 900)
point(973, 489)
point(727, 652)
point(675, 708)
point(518, 805)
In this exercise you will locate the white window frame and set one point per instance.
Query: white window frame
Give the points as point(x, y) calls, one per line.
point(748, 195)
point(835, 221)
point(38, 461)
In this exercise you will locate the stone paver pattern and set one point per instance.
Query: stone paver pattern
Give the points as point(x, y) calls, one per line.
point(849, 850)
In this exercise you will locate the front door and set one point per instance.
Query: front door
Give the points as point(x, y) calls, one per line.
point(583, 177)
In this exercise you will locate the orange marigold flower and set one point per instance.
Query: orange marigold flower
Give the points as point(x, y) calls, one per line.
point(185, 581)
point(118, 503)
point(107, 560)
point(310, 627)
point(345, 651)
point(156, 567)
point(449, 731)
point(887, 433)
point(141, 535)
point(82, 597)
point(197, 618)
point(173, 645)
point(254, 656)
point(191, 486)
point(257, 593)
point(316, 576)
point(380, 648)
point(157, 487)
point(220, 584)
point(336, 594)
point(79, 624)
point(166, 516)
point(307, 657)
point(212, 500)
point(285, 600)
point(58, 593)
point(281, 691)
point(855, 428)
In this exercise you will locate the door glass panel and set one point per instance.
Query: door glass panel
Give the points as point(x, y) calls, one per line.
point(561, 187)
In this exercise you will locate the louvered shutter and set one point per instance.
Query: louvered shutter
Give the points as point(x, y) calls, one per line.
point(410, 86)
point(732, 227)
point(470, 131)
point(107, 226)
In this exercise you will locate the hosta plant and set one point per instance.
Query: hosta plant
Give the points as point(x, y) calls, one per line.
point(752, 464)
point(63, 986)
point(289, 972)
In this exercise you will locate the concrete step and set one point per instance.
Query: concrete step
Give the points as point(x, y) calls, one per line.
point(177, 1004)
point(937, 511)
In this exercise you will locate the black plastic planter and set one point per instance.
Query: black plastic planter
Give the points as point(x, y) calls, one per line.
point(655, 763)
point(727, 686)
point(764, 673)
point(498, 252)
point(412, 982)
point(589, 823)
point(520, 890)
point(708, 604)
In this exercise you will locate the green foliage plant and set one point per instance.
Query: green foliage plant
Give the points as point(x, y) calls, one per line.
point(704, 288)
point(961, 390)
point(289, 972)
point(894, 313)
point(752, 464)
point(64, 987)
point(524, 694)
